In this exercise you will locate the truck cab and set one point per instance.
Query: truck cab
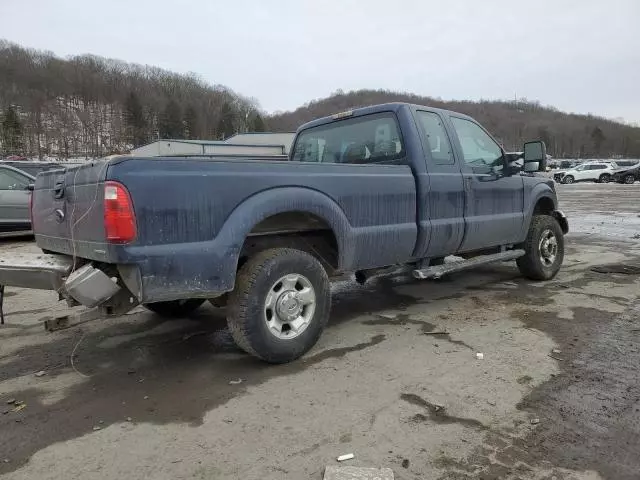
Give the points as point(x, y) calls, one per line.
point(468, 195)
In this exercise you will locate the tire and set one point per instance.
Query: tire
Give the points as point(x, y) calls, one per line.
point(568, 179)
point(538, 263)
point(267, 289)
point(175, 308)
point(629, 179)
point(604, 178)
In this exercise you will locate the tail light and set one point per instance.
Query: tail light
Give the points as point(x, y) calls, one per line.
point(119, 217)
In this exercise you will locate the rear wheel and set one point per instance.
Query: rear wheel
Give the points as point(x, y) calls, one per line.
point(629, 179)
point(175, 308)
point(280, 304)
point(567, 179)
point(604, 178)
point(544, 249)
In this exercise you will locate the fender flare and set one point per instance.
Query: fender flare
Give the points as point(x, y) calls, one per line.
point(538, 192)
point(266, 203)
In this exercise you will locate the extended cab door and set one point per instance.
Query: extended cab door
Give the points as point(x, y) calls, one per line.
point(441, 212)
point(494, 211)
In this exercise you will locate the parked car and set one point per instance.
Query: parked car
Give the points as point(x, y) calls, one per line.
point(33, 168)
point(627, 163)
point(363, 190)
point(14, 201)
point(600, 172)
point(628, 175)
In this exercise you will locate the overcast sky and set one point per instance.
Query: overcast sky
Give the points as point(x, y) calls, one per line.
point(580, 56)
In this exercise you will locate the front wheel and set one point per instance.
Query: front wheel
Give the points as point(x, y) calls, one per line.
point(629, 179)
point(544, 249)
point(175, 308)
point(568, 179)
point(280, 304)
point(604, 178)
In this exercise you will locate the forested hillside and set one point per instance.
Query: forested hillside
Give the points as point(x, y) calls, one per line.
point(88, 106)
point(512, 123)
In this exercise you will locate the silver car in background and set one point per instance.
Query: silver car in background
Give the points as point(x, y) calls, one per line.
point(14, 201)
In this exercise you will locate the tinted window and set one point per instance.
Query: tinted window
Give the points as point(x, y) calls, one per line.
point(478, 148)
point(626, 163)
point(368, 139)
point(436, 136)
point(10, 180)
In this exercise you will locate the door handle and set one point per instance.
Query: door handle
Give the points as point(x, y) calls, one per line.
point(58, 189)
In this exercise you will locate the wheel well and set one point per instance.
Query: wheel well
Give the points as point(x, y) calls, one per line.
point(544, 206)
point(301, 230)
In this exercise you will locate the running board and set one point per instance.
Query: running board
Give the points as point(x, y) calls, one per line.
point(440, 270)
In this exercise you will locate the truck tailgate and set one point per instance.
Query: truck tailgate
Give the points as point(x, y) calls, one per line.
point(68, 210)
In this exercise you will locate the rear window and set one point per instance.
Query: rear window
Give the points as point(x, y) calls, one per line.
point(367, 139)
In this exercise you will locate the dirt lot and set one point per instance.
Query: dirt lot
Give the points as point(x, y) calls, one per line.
point(556, 395)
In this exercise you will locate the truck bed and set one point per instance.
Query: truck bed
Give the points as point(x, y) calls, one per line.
point(190, 228)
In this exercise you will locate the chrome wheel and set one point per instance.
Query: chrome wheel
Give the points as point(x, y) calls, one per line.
point(548, 248)
point(629, 179)
point(289, 306)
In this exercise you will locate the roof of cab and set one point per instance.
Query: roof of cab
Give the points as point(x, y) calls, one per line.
point(384, 107)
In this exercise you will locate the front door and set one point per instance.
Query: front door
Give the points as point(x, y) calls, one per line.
point(494, 212)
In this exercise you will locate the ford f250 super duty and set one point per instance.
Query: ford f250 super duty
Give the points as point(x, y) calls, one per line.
point(386, 185)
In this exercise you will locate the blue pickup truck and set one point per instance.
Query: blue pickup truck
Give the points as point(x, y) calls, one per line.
point(393, 184)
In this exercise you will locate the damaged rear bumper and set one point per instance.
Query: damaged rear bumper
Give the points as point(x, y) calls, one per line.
point(31, 270)
point(86, 285)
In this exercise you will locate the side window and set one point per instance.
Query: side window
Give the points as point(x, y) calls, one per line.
point(478, 148)
point(368, 139)
point(437, 139)
point(10, 180)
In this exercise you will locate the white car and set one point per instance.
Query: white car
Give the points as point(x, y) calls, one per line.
point(600, 172)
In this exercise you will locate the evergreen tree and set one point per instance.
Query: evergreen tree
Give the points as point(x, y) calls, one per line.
point(597, 136)
point(135, 121)
point(170, 124)
point(191, 123)
point(11, 132)
point(225, 125)
point(258, 124)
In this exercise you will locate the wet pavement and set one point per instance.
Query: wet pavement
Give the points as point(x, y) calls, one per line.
point(394, 379)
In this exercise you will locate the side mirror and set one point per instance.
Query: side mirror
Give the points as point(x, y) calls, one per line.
point(535, 156)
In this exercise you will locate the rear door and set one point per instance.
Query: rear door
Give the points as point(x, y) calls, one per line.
point(494, 211)
point(14, 201)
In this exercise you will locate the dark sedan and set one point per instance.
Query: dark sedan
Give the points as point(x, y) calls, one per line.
point(628, 176)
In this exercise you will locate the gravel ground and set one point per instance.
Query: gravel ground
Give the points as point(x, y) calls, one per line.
point(556, 395)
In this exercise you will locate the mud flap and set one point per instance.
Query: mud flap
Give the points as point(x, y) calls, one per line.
point(562, 220)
